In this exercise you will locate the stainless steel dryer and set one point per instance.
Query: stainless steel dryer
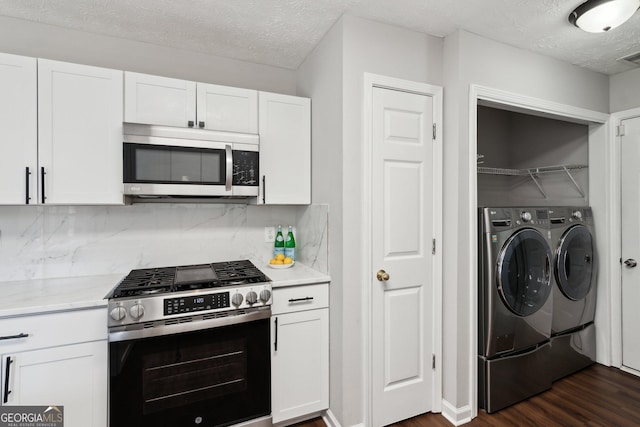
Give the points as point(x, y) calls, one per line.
point(574, 291)
point(514, 305)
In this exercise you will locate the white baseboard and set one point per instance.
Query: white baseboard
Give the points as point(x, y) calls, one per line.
point(329, 419)
point(456, 416)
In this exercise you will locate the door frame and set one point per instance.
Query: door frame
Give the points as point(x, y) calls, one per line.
point(616, 238)
point(597, 137)
point(372, 81)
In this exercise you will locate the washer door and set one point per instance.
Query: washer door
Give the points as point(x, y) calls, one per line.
point(524, 281)
point(574, 262)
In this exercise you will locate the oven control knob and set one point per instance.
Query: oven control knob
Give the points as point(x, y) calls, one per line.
point(526, 216)
point(577, 215)
point(136, 311)
point(118, 313)
point(236, 299)
point(265, 294)
point(252, 298)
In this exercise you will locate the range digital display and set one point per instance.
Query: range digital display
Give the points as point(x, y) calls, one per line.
point(190, 304)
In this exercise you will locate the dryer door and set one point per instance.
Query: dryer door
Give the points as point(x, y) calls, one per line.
point(575, 263)
point(523, 272)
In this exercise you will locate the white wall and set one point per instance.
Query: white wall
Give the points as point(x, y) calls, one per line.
point(354, 46)
point(625, 91)
point(471, 59)
point(320, 77)
point(28, 38)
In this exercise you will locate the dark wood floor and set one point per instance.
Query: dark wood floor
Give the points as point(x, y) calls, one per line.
point(595, 396)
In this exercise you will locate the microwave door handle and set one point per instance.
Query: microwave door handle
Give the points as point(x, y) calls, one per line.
point(229, 168)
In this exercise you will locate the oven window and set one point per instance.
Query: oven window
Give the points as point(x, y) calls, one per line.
point(215, 377)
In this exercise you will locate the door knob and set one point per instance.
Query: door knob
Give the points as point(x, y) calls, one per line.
point(382, 275)
point(630, 263)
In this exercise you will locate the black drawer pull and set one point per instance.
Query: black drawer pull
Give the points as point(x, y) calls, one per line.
point(14, 337)
point(301, 299)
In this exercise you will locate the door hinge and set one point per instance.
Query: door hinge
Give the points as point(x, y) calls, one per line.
point(434, 132)
point(620, 130)
point(433, 361)
point(433, 246)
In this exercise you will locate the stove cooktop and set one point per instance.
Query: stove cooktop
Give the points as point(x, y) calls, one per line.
point(153, 281)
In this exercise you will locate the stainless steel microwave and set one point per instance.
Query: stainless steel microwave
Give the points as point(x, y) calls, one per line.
point(161, 161)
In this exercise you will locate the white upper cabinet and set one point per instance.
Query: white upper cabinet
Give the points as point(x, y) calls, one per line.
point(172, 102)
point(159, 100)
point(79, 134)
point(19, 125)
point(61, 133)
point(227, 108)
point(285, 149)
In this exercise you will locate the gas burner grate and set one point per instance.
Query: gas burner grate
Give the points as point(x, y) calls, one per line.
point(232, 272)
point(150, 281)
point(146, 281)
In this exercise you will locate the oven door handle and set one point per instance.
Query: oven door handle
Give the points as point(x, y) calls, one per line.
point(139, 331)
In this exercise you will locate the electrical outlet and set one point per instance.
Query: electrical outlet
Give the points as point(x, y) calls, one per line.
point(269, 234)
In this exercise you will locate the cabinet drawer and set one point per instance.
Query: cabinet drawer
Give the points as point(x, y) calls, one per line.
point(52, 329)
point(299, 298)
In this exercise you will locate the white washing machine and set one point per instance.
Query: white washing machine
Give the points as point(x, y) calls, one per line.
point(574, 290)
point(515, 302)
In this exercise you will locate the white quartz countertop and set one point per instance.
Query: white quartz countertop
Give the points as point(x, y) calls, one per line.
point(24, 297)
point(299, 274)
point(35, 296)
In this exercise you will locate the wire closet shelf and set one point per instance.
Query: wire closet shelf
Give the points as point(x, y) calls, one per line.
point(534, 173)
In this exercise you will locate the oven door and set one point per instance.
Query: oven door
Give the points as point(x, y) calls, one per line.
point(210, 377)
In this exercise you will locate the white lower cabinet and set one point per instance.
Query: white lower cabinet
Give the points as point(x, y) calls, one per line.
point(37, 371)
point(300, 352)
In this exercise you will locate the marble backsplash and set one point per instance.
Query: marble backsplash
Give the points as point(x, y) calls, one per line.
point(61, 241)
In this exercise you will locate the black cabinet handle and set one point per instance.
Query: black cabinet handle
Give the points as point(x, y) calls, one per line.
point(14, 337)
point(264, 188)
point(42, 174)
point(275, 344)
point(26, 178)
point(301, 299)
point(7, 372)
point(190, 123)
point(200, 124)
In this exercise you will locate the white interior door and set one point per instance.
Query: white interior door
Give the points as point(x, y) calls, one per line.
point(630, 177)
point(402, 232)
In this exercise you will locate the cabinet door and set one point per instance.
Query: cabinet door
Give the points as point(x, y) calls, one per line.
point(80, 134)
point(300, 364)
point(227, 109)
point(73, 376)
point(19, 129)
point(156, 100)
point(285, 149)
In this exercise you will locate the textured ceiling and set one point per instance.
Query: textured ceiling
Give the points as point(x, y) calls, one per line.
point(283, 32)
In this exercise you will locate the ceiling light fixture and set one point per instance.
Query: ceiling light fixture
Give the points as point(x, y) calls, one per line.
point(599, 16)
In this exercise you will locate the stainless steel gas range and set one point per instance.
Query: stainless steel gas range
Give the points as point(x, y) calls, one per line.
point(189, 346)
